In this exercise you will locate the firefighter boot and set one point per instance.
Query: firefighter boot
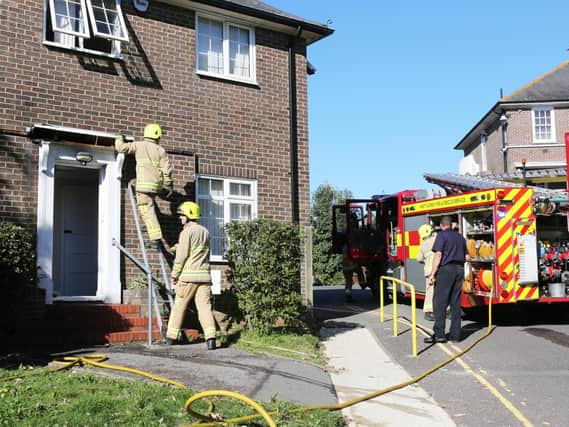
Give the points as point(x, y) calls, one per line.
point(211, 344)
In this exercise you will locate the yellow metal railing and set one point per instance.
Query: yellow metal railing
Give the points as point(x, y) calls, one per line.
point(395, 317)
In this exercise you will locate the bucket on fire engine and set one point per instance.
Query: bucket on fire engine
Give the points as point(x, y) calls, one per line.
point(485, 279)
point(556, 290)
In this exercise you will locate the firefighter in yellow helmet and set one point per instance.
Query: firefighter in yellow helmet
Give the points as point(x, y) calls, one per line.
point(191, 276)
point(426, 257)
point(153, 177)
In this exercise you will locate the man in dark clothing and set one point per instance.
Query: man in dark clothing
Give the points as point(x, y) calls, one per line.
point(448, 269)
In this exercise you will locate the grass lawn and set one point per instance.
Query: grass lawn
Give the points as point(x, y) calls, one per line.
point(67, 398)
point(301, 347)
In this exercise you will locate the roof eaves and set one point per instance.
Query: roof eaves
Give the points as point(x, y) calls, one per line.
point(319, 29)
point(467, 139)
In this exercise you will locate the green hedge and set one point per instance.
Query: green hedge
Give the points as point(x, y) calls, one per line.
point(17, 257)
point(264, 257)
point(17, 272)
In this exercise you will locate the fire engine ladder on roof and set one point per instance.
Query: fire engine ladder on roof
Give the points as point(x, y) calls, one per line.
point(146, 269)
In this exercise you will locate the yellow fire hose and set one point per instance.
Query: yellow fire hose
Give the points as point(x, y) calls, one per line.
point(97, 359)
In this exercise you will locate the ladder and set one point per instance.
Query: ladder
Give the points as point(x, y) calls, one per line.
point(146, 268)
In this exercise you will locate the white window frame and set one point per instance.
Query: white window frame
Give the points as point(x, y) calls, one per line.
point(105, 35)
point(83, 20)
point(252, 79)
point(533, 124)
point(228, 199)
point(70, 42)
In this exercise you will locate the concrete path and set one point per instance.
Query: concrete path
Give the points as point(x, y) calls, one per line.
point(359, 365)
point(255, 376)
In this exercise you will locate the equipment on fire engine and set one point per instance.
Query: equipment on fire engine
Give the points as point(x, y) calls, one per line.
point(516, 240)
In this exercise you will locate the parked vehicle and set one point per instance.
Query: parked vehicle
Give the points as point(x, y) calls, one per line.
point(517, 239)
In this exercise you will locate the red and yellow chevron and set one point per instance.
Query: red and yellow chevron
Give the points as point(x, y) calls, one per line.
point(513, 216)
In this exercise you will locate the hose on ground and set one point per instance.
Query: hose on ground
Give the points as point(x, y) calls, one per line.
point(98, 359)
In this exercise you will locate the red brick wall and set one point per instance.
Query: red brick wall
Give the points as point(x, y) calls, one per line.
point(236, 129)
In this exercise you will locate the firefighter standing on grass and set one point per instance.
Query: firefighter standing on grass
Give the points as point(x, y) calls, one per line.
point(153, 177)
point(191, 276)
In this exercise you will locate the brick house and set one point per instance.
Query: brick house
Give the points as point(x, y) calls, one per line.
point(215, 74)
point(529, 125)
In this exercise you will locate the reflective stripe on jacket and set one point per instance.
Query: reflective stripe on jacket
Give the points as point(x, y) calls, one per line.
point(192, 255)
point(153, 169)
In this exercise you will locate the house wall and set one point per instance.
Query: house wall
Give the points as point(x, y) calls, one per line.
point(237, 130)
point(519, 133)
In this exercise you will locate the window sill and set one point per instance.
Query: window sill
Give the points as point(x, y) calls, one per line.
point(551, 143)
point(82, 51)
point(248, 82)
point(218, 260)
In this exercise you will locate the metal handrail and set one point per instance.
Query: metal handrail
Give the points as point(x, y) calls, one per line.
point(395, 316)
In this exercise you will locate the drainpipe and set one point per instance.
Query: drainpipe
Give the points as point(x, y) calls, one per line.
point(504, 126)
point(483, 138)
point(293, 130)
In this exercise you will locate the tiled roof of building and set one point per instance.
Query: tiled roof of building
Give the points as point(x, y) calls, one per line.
point(551, 86)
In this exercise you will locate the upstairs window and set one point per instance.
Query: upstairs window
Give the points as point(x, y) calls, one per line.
point(94, 26)
point(225, 49)
point(221, 201)
point(543, 124)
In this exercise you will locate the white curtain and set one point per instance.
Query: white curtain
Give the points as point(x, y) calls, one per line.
point(210, 46)
point(239, 51)
point(67, 18)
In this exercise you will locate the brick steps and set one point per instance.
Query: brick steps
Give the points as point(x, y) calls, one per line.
point(86, 324)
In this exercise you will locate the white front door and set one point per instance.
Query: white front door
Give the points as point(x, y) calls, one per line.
point(76, 234)
point(79, 215)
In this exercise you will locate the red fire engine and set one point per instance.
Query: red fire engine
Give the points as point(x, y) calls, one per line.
point(517, 240)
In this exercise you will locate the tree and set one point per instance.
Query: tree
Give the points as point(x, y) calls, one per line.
point(327, 266)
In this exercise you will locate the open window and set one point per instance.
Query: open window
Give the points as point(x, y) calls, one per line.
point(94, 26)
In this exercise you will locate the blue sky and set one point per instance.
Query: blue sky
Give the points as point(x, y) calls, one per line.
point(400, 83)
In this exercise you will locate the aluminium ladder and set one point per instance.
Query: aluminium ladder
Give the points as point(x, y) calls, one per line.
point(146, 269)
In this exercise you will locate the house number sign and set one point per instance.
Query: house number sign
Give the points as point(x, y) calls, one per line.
point(140, 5)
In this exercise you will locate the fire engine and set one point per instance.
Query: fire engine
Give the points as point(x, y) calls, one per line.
point(517, 238)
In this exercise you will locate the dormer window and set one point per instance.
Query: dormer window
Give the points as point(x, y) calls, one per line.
point(225, 49)
point(543, 119)
point(93, 26)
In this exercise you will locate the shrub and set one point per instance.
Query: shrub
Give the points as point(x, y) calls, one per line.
point(17, 257)
point(264, 257)
point(17, 272)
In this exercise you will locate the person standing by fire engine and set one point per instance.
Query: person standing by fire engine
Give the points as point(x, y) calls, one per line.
point(153, 177)
point(447, 275)
point(351, 270)
point(191, 276)
point(426, 257)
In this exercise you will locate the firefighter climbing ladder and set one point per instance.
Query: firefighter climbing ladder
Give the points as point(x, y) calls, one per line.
point(146, 268)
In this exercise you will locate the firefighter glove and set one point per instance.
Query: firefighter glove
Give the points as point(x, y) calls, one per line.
point(168, 192)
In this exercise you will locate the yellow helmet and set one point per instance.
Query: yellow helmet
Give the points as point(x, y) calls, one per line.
point(425, 230)
point(153, 131)
point(190, 209)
